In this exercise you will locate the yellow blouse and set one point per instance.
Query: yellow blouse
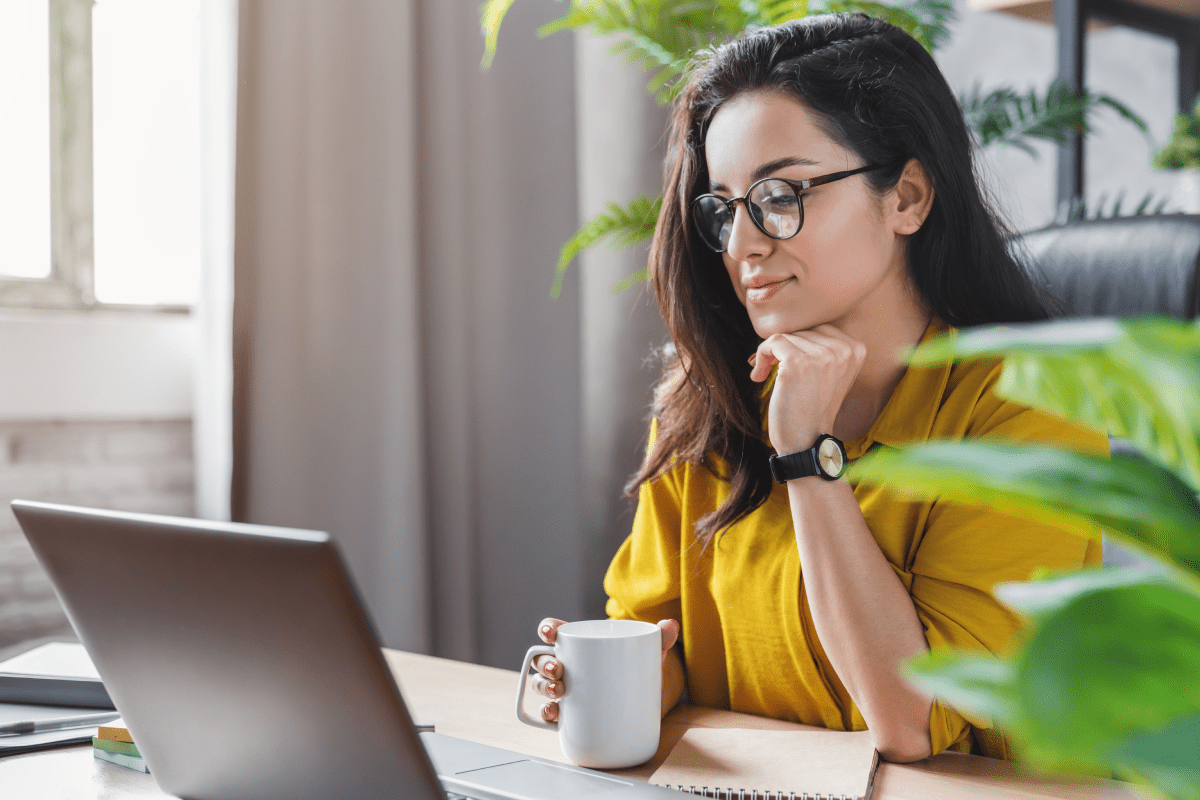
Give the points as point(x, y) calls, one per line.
point(748, 638)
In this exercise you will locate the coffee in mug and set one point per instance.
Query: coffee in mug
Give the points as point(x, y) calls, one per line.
point(609, 717)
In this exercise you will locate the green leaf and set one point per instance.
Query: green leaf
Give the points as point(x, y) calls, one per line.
point(977, 683)
point(1040, 597)
point(623, 226)
point(661, 36)
point(1127, 495)
point(490, 18)
point(936, 17)
point(1183, 148)
point(1107, 665)
point(631, 281)
point(1004, 117)
point(1095, 682)
point(781, 11)
point(929, 35)
point(1168, 758)
point(1136, 378)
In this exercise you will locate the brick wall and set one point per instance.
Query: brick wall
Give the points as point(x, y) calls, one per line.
point(130, 466)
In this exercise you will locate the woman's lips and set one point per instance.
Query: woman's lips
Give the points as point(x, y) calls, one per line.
point(763, 293)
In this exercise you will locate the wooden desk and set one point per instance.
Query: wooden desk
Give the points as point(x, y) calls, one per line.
point(475, 703)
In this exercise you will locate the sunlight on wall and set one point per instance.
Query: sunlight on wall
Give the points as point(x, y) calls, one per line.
point(146, 56)
point(25, 147)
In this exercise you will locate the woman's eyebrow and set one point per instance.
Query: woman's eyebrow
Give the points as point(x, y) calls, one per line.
point(779, 163)
point(766, 169)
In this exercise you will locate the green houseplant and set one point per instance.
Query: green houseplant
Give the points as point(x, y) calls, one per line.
point(663, 36)
point(1182, 154)
point(1182, 150)
point(1109, 676)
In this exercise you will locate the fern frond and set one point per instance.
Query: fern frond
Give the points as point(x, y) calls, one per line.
point(927, 21)
point(935, 18)
point(661, 36)
point(631, 281)
point(776, 12)
point(1003, 117)
point(622, 226)
point(1079, 209)
point(490, 18)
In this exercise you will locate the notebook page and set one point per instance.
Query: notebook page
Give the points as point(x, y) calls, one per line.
point(817, 763)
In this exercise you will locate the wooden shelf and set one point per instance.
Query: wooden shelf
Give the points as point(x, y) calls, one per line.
point(1043, 10)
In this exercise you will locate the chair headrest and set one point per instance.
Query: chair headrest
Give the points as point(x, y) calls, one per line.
point(1120, 267)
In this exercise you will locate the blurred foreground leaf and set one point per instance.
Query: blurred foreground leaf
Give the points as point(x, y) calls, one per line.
point(1168, 758)
point(1099, 673)
point(1138, 378)
point(1131, 496)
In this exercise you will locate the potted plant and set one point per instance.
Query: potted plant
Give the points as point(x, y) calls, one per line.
point(1182, 153)
point(1108, 677)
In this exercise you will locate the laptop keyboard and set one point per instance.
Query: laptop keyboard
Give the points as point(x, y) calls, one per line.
point(453, 796)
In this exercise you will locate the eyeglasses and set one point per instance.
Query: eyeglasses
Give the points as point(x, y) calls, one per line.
point(775, 205)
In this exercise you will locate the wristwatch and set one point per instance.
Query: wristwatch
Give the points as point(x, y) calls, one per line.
point(826, 458)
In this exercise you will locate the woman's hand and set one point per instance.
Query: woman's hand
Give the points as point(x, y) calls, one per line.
point(816, 369)
point(549, 679)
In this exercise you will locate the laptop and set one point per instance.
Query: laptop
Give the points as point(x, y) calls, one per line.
point(244, 663)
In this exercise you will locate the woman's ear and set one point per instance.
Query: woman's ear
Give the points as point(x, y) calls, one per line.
point(912, 197)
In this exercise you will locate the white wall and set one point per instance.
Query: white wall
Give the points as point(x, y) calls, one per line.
point(95, 410)
point(96, 365)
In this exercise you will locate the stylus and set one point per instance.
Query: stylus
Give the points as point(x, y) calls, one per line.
point(60, 724)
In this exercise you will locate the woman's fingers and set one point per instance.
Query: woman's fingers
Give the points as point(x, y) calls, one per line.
point(550, 712)
point(775, 348)
point(762, 362)
point(670, 634)
point(547, 688)
point(548, 665)
point(548, 629)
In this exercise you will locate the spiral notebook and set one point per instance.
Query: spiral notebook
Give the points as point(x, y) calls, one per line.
point(734, 763)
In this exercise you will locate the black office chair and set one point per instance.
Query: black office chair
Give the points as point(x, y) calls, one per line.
point(1115, 268)
point(1120, 267)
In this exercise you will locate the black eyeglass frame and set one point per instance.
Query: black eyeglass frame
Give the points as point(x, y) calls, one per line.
point(797, 187)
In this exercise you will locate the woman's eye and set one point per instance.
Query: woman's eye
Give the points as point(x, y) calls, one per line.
point(781, 202)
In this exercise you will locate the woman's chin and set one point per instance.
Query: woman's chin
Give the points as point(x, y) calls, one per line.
point(767, 325)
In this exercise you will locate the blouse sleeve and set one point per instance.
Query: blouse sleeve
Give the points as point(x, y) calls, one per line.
point(643, 580)
point(966, 550)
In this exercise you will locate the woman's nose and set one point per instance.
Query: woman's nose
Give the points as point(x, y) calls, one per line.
point(746, 241)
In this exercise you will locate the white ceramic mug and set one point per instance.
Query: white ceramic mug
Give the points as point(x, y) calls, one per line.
point(609, 716)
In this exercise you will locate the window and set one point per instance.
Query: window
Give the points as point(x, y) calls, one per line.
point(101, 159)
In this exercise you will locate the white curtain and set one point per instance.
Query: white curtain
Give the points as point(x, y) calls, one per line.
point(212, 419)
point(621, 137)
point(402, 378)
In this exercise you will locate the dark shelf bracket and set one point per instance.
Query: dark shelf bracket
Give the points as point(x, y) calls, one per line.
point(1070, 19)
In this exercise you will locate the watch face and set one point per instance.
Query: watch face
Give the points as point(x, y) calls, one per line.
point(830, 457)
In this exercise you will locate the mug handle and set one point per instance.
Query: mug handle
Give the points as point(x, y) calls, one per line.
point(539, 650)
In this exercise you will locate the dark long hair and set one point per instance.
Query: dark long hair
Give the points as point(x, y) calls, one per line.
point(878, 93)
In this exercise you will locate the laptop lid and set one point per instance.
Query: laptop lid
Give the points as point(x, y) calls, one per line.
point(240, 656)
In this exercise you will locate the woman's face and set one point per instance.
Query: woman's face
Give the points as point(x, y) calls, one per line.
point(848, 255)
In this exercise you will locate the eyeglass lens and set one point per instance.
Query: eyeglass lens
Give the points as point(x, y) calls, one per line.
point(774, 206)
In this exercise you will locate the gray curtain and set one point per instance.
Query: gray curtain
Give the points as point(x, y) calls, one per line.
point(402, 378)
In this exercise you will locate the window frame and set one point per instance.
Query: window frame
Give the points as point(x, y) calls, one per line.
point(71, 283)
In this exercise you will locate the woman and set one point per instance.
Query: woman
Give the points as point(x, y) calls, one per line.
point(821, 215)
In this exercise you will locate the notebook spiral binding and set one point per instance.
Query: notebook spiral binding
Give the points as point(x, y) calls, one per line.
point(751, 794)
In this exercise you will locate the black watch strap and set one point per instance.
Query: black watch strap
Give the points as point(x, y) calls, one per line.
point(805, 463)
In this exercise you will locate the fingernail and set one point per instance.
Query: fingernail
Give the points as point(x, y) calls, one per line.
point(551, 666)
point(546, 630)
point(753, 359)
point(552, 687)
